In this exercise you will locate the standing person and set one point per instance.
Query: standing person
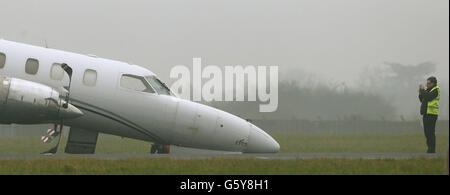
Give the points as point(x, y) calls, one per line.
point(430, 111)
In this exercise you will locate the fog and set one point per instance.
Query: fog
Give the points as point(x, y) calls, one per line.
point(337, 59)
point(387, 92)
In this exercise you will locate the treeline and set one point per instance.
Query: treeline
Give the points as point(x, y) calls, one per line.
point(383, 92)
point(321, 102)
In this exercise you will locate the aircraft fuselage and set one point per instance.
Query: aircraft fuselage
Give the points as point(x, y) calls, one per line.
point(100, 89)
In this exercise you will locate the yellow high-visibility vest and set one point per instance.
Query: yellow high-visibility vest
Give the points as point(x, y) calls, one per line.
point(433, 105)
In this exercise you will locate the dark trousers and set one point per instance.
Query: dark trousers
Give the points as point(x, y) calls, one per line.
point(429, 127)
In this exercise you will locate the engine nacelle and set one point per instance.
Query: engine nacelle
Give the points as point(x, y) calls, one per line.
point(26, 102)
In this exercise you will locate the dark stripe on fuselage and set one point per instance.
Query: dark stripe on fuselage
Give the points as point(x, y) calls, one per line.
point(116, 118)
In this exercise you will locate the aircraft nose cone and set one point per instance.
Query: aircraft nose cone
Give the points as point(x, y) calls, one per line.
point(70, 112)
point(260, 142)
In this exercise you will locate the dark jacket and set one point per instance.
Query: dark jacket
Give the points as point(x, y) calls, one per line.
point(425, 96)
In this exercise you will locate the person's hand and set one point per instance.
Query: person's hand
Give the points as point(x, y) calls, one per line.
point(421, 87)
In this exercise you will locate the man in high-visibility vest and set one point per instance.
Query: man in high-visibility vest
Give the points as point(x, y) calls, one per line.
point(430, 111)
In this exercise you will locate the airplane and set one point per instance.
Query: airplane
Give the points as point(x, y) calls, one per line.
point(93, 95)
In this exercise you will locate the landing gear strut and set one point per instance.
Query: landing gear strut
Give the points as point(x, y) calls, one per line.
point(160, 149)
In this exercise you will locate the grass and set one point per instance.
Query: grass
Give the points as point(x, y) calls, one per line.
point(223, 166)
point(290, 143)
point(358, 143)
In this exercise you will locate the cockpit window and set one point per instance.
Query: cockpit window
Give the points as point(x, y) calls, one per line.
point(135, 83)
point(159, 86)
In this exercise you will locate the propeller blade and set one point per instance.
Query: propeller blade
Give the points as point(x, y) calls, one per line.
point(46, 139)
point(54, 131)
point(67, 69)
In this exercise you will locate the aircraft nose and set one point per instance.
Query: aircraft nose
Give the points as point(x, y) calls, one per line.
point(260, 142)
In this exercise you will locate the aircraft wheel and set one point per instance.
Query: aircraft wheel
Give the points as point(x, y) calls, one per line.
point(160, 149)
point(153, 149)
point(165, 149)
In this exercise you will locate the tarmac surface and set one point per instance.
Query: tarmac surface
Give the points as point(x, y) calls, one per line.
point(188, 153)
point(241, 156)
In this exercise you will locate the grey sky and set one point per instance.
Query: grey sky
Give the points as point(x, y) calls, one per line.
point(330, 38)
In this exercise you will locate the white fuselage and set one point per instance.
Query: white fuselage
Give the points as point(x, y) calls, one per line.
point(112, 109)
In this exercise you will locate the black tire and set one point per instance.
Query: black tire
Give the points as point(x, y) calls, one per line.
point(160, 149)
point(153, 149)
point(164, 149)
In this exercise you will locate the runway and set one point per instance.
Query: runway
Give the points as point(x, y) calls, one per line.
point(237, 156)
point(187, 153)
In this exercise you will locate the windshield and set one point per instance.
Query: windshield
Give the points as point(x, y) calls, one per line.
point(135, 83)
point(159, 86)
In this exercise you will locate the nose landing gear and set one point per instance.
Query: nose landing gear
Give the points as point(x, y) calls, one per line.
point(160, 149)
